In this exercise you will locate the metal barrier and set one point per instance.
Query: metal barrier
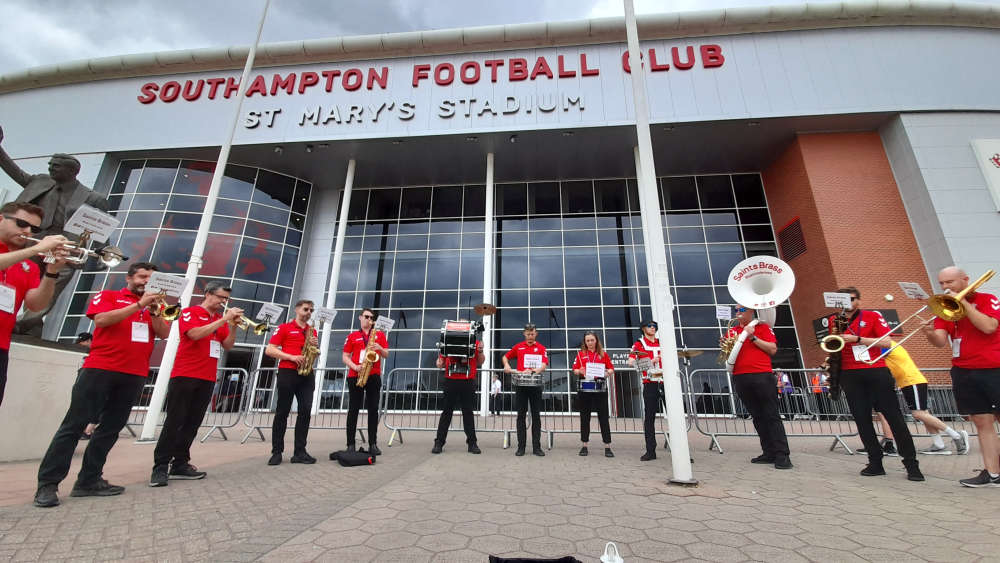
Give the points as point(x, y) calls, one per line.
point(332, 402)
point(413, 396)
point(224, 410)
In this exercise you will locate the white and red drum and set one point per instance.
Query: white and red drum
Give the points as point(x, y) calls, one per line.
point(458, 339)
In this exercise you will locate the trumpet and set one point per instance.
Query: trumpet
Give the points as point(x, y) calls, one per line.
point(110, 256)
point(160, 308)
point(246, 324)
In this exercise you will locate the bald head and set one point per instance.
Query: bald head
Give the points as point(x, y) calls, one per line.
point(953, 279)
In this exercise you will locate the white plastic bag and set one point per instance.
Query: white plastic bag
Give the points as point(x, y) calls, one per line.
point(611, 554)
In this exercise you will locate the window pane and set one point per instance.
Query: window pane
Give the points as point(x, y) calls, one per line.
point(158, 176)
point(685, 234)
point(723, 257)
point(173, 250)
point(690, 265)
point(754, 216)
point(545, 238)
point(440, 226)
point(274, 189)
point(472, 269)
point(757, 232)
point(611, 196)
point(715, 191)
point(544, 197)
point(581, 270)
point(183, 221)
point(416, 203)
point(359, 205)
point(679, 193)
point(136, 244)
point(268, 214)
point(194, 177)
point(438, 242)
point(286, 276)
point(301, 202)
point(722, 234)
point(410, 268)
point(238, 182)
point(231, 207)
point(512, 298)
point(475, 201)
point(579, 238)
point(749, 192)
point(220, 255)
point(143, 219)
point(542, 297)
point(447, 201)
point(442, 271)
point(578, 197)
point(259, 261)
point(384, 204)
point(265, 231)
point(578, 297)
point(128, 177)
point(546, 267)
point(512, 268)
point(511, 199)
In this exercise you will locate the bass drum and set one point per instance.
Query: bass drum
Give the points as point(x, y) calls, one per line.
point(458, 339)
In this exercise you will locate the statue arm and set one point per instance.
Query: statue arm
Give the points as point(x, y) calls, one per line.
point(13, 170)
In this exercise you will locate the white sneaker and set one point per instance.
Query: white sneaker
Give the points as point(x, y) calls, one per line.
point(937, 450)
point(962, 443)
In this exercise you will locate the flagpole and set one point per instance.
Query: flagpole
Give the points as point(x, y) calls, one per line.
point(198, 251)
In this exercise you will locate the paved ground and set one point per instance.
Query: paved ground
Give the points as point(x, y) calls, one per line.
point(413, 506)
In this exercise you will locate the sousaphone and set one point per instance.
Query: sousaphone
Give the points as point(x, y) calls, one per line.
point(761, 283)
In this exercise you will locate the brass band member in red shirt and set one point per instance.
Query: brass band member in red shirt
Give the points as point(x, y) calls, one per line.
point(975, 367)
point(754, 382)
point(205, 333)
point(531, 356)
point(286, 346)
point(592, 352)
point(459, 390)
point(871, 386)
point(113, 375)
point(648, 346)
point(20, 277)
point(354, 351)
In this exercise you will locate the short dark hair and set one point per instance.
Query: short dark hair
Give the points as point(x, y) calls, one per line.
point(216, 285)
point(83, 337)
point(12, 207)
point(302, 302)
point(136, 266)
point(530, 326)
point(372, 311)
point(850, 289)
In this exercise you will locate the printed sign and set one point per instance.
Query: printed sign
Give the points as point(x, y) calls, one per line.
point(324, 315)
point(821, 326)
point(836, 300)
point(384, 324)
point(643, 364)
point(88, 218)
point(723, 312)
point(595, 370)
point(913, 290)
point(160, 282)
point(269, 312)
point(988, 157)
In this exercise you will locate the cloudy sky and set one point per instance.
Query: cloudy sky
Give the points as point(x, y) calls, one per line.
point(39, 32)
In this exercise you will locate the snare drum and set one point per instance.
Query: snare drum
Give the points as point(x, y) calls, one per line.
point(526, 379)
point(458, 339)
point(593, 385)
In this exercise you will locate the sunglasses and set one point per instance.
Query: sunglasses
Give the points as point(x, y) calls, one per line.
point(741, 309)
point(22, 224)
point(308, 310)
point(369, 317)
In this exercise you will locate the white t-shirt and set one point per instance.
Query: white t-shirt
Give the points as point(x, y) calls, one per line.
point(495, 389)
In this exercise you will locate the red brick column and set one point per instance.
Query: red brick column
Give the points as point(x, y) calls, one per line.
point(841, 188)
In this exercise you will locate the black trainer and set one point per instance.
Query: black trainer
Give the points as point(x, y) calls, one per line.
point(159, 476)
point(438, 446)
point(537, 450)
point(608, 452)
point(100, 488)
point(520, 451)
point(186, 471)
point(350, 448)
point(782, 462)
point(302, 457)
point(873, 470)
point(763, 458)
point(474, 448)
point(889, 448)
point(913, 471)
point(648, 456)
point(981, 480)
point(46, 496)
point(274, 460)
point(373, 449)
point(584, 451)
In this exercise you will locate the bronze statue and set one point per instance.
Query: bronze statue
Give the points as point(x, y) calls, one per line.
point(60, 195)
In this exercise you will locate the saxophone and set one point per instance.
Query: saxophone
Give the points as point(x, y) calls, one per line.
point(833, 343)
point(309, 354)
point(368, 360)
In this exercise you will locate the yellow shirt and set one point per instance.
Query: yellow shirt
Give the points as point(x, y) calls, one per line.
point(904, 371)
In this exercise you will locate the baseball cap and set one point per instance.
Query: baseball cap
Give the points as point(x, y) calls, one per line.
point(649, 322)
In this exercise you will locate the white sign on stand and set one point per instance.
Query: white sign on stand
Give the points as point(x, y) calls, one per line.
point(269, 312)
point(836, 300)
point(723, 312)
point(384, 324)
point(913, 290)
point(88, 218)
point(170, 284)
point(324, 315)
point(595, 370)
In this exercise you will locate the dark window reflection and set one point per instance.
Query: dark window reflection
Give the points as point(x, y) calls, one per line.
point(252, 291)
point(416, 203)
point(297, 222)
point(238, 182)
point(173, 249)
point(754, 216)
point(289, 261)
point(694, 295)
point(136, 244)
point(472, 269)
point(583, 297)
point(258, 261)
point(195, 204)
point(580, 267)
point(584, 317)
point(757, 233)
point(512, 298)
point(268, 214)
point(715, 191)
point(220, 255)
point(578, 197)
point(611, 196)
point(359, 205)
point(475, 201)
point(442, 271)
point(140, 219)
point(749, 192)
point(410, 268)
point(293, 237)
point(546, 270)
point(722, 234)
point(447, 201)
point(511, 199)
point(690, 265)
point(541, 297)
point(301, 202)
point(128, 177)
point(183, 221)
point(512, 268)
point(274, 189)
point(194, 177)
point(384, 204)
point(158, 176)
point(544, 197)
point(231, 207)
point(679, 193)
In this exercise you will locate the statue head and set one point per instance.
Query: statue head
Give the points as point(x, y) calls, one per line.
point(63, 167)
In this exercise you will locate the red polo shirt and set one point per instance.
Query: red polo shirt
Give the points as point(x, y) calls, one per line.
point(976, 350)
point(584, 357)
point(645, 348)
point(519, 351)
point(194, 357)
point(866, 324)
point(472, 364)
point(23, 277)
point(752, 359)
point(119, 347)
point(355, 345)
point(291, 338)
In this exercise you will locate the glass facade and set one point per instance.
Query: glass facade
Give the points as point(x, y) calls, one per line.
point(253, 243)
point(569, 258)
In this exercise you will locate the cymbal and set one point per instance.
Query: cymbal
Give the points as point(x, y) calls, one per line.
point(689, 353)
point(485, 309)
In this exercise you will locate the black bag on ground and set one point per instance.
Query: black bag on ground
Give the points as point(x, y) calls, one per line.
point(567, 559)
point(350, 459)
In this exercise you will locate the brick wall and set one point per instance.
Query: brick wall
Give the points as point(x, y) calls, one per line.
point(841, 188)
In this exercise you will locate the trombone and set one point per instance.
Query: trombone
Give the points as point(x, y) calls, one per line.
point(944, 306)
point(110, 256)
point(160, 308)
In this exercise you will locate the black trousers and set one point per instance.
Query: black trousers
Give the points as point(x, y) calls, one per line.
point(523, 398)
point(495, 404)
point(187, 401)
point(291, 384)
point(590, 402)
point(459, 393)
point(874, 388)
point(757, 391)
point(652, 396)
point(117, 392)
point(4, 356)
point(368, 397)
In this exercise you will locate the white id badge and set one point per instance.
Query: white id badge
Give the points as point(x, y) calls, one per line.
point(595, 370)
point(215, 349)
point(7, 298)
point(532, 361)
point(860, 353)
point(956, 347)
point(140, 332)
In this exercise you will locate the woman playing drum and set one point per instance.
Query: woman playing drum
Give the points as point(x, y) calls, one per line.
point(593, 365)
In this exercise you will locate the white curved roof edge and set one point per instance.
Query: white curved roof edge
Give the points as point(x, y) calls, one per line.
point(728, 21)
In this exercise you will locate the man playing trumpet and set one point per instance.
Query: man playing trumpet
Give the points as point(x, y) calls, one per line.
point(286, 345)
point(205, 332)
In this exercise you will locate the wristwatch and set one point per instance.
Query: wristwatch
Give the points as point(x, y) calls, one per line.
point(54, 276)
